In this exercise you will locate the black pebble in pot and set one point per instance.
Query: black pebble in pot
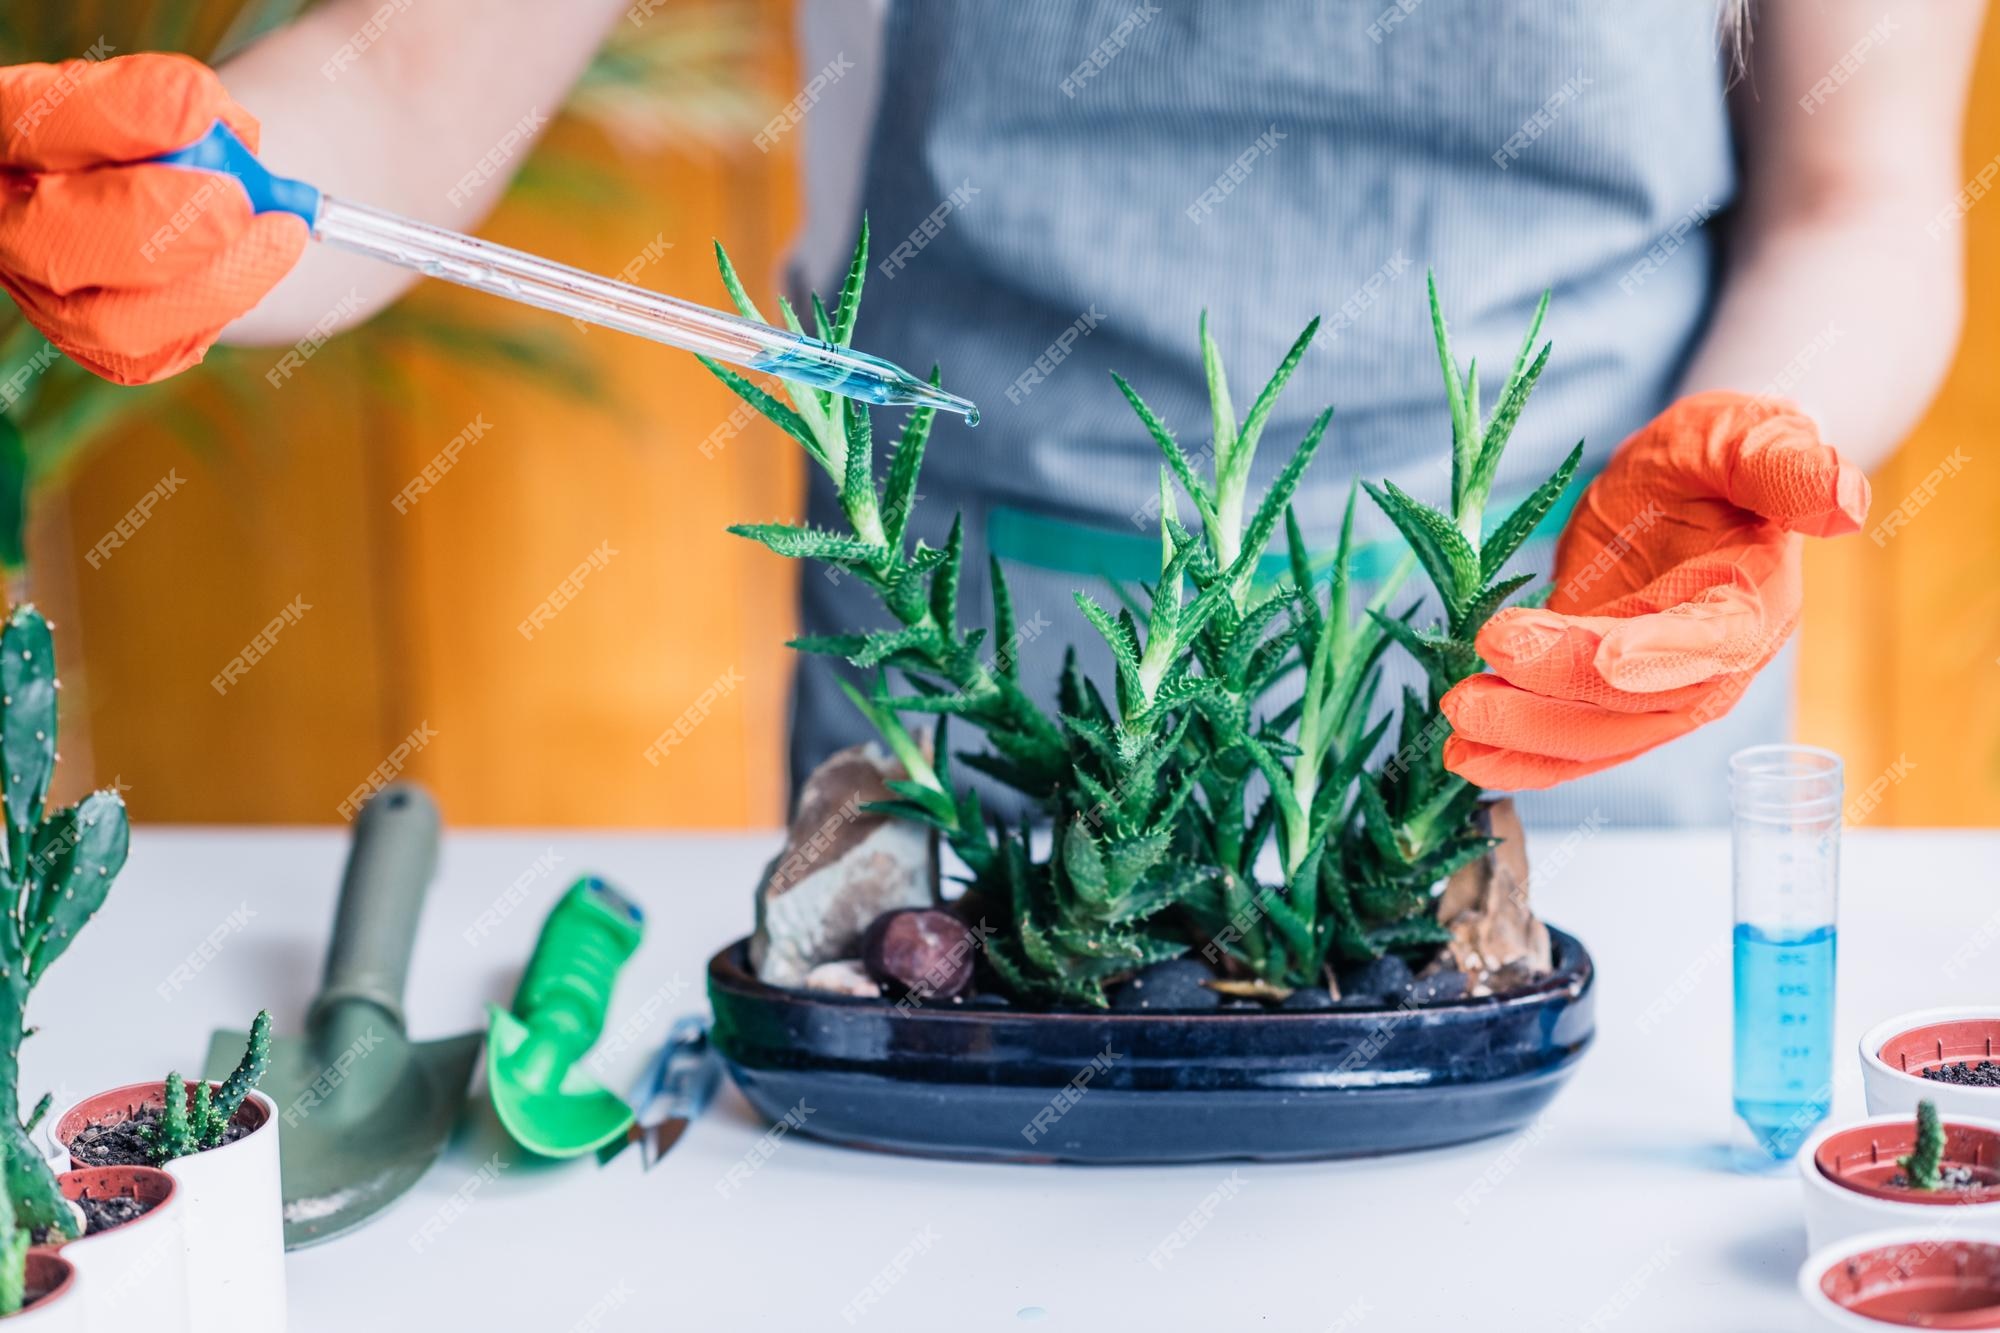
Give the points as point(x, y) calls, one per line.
point(1174, 984)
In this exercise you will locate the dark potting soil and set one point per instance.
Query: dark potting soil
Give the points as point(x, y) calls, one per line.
point(1949, 1178)
point(121, 1144)
point(1985, 1074)
point(102, 1214)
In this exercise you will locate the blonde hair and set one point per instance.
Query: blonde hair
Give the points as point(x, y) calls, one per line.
point(1732, 31)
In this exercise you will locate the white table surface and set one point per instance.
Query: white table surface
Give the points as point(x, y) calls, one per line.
point(1619, 1212)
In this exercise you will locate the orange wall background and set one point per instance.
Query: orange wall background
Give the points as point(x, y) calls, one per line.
point(1901, 655)
point(413, 617)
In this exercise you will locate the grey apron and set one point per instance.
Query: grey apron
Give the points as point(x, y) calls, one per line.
point(1059, 188)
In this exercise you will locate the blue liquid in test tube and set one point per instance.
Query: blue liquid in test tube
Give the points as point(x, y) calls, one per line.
point(1786, 804)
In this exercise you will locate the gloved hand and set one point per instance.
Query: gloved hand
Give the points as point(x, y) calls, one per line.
point(1676, 580)
point(131, 270)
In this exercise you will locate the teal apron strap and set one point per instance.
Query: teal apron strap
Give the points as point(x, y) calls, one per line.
point(1042, 542)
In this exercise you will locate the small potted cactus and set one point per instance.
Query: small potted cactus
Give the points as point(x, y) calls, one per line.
point(46, 1299)
point(1901, 1171)
point(219, 1142)
point(1951, 1056)
point(38, 1288)
point(55, 869)
point(206, 1173)
point(131, 1258)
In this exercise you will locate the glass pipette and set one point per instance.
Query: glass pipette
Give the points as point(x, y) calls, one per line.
point(454, 257)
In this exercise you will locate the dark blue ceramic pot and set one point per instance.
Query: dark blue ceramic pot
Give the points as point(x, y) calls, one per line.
point(1130, 1086)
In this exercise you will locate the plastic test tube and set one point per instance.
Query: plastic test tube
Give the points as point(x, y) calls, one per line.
point(1785, 802)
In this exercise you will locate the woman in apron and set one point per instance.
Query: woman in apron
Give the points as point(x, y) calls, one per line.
point(1060, 188)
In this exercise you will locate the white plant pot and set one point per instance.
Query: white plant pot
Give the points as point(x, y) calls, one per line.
point(1889, 1089)
point(134, 1276)
point(234, 1205)
point(1835, 1213)
point(1907, 1241)
point(60, 1310)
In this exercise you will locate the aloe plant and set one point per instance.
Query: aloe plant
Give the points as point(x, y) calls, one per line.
point(185, 1129)
point(56, 869)
point(1409, 828)
point(1149, 785)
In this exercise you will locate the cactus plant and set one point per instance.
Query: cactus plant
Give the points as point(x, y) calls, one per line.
point(1149, 784)
point(55, 870)
point(1921, 1167)
point(185, 1129)
point(14, 1242)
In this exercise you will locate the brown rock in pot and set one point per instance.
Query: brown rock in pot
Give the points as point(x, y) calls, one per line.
point(842, 867)
point(1496, 939)
point(920, 952)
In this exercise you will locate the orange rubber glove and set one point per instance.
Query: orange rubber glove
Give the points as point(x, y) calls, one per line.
point(1676, 580)
point(131, 270)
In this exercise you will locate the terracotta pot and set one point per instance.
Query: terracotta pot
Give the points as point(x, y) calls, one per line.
point(1905, 1279)
point(55, 1302)
point(134, 1274)
point(234, 1205)
point(1895, 1054)
point(1846, 1170)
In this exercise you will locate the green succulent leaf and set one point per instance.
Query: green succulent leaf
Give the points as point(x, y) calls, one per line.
point(899, 493)
point(27, 719)
point(781, 415)
point(1498, 430)
point(1446, 555)
point(812, 543)
point(1483, 606)
point(1278, 499)
point(1267, 398)
point(1500, 546)
point(1416, 933)
point(1117, 633)
point(831, 645)
point(733, 282)
point(849, 308)
point(1221, 409)
point(944, 582)
point(1170, 450)
point(77, 877)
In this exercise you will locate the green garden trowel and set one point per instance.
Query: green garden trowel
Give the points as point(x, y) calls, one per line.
point(549, 1103)
point(365, 1110)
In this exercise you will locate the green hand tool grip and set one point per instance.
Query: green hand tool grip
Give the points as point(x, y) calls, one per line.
point(566, 991)
point(389, 869)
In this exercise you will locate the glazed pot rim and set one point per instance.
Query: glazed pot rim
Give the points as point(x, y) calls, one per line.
point(152, 1092)
point(1574, 973)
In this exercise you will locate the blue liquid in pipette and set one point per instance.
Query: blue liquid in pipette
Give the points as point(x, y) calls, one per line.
point(884, 387)
point(1784, 1033)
